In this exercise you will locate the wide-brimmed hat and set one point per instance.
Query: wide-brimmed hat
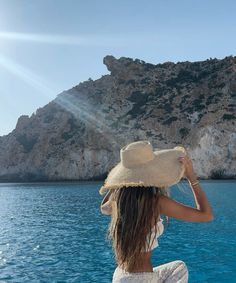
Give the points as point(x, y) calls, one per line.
point(141, 166)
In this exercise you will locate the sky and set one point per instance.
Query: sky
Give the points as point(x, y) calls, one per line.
point(48, 46)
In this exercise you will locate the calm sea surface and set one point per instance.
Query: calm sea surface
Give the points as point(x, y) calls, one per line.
point(55, 233)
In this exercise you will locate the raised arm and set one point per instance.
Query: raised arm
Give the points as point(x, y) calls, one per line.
point(172, 208)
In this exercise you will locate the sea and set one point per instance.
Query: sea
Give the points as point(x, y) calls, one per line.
point(55, 232)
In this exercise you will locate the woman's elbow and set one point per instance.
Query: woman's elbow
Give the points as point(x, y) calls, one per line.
point(211, 217)
point(208, 217)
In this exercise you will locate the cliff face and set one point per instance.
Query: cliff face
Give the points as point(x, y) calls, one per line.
point(78, 135)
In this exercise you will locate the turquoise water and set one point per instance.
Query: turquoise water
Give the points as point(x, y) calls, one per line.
point(55, 233)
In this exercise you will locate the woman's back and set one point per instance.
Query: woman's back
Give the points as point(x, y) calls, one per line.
point(135, 226)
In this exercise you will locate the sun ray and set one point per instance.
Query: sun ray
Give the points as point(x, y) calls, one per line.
point(27, 76)
point(82, 40)
point(80, 108)
point(91, 116)
point(44, 38)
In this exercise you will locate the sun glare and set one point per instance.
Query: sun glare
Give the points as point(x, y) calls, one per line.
point(81, 40)
point(78, 107)
point(27, 76)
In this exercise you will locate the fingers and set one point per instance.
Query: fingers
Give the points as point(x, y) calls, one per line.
point(185, 160)
point(182, 158)
point(186, 156)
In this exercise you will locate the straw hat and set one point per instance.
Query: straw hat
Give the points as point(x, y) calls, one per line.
point(141, 166)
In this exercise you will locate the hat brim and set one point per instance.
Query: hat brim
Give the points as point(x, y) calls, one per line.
point(164, 170)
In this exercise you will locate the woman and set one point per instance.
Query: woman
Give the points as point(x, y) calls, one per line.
point(137, 197)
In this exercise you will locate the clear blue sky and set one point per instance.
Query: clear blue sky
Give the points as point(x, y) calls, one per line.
point(47, 46)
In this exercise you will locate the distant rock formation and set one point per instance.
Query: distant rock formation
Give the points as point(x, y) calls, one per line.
point(78, 135)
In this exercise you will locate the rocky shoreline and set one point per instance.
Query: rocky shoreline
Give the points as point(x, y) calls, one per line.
point(78, 135)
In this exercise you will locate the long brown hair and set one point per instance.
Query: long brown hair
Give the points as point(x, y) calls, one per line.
point(134, 212)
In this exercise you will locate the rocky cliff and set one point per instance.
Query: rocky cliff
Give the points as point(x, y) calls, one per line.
point(77, 136)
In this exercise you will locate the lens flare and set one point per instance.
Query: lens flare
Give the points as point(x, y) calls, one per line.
point(92, 117)
point(79, 107)
point(82, 40)
point(27, 76)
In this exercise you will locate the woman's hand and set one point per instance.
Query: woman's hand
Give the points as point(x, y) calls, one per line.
point(172, 208)
point(188, 165)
